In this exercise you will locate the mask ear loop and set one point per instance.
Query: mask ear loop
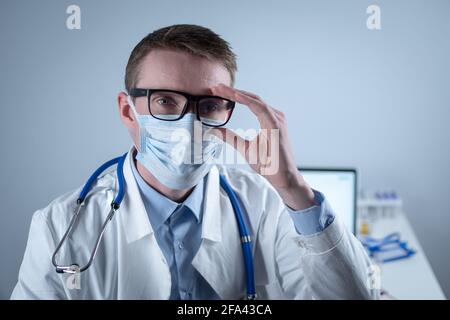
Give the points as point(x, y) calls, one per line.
point(136, 117)
point(132, 106)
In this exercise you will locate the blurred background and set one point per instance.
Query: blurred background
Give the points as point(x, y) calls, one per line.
point(375, 100)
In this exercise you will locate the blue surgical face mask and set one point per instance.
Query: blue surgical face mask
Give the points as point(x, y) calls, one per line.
point(178, 153)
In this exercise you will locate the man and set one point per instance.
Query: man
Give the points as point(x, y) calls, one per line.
point(175, 235)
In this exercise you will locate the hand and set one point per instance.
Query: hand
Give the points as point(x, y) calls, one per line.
point(271, 144)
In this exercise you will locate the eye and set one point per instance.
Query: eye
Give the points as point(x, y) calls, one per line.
point(165, 101)
point(209, 107)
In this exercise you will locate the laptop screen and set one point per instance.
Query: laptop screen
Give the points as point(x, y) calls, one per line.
point(339, 188)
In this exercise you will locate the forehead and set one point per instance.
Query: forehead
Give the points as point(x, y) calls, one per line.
point(176, 70)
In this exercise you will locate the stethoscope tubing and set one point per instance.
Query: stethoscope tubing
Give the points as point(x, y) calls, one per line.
point(245, 237)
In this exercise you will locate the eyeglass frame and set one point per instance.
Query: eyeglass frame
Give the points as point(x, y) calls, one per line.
point(139, 92)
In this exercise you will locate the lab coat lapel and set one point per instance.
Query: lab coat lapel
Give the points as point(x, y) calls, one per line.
point(219, 259)
point(136, 224)
point(142, 270)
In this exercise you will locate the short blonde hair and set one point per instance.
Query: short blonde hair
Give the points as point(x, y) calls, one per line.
point(194, 39)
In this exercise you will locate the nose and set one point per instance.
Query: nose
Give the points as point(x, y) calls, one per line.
point(191, 107)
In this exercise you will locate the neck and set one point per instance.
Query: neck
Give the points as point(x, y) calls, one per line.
point(173, 194)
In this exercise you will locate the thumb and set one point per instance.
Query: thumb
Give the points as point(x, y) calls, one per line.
point(233, 139)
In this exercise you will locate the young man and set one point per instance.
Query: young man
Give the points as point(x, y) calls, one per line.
point(175, 235)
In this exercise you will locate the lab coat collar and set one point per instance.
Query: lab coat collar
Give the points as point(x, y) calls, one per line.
point(134, 216)
point(160, 208)
point(211, 226)
point(219, 262)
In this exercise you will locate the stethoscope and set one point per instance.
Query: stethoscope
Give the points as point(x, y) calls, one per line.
point(245, 238)
point(390, 242)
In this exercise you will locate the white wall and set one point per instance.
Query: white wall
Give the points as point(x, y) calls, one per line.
point(377, 100)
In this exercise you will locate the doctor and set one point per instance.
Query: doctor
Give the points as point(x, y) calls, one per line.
point(175, 235)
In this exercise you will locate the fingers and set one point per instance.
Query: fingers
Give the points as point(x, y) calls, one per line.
point(233, 139)
point(257, 152)
point(254, 96)
point(253, 101)
point(255, 105)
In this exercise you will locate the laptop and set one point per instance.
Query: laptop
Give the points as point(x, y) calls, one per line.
point(339, 185)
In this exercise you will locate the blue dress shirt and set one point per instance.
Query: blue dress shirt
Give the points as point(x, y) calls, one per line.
point(177, 228)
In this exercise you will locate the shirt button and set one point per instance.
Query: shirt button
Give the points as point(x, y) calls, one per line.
point(300, 243)
point(180, 245)
point(186, 294)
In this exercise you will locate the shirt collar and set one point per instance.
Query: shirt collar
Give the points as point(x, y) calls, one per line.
point(160, 208)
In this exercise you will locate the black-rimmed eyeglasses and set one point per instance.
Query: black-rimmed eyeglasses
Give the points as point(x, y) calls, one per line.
point(172, 105)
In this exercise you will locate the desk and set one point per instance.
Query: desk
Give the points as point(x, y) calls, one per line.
point(411, 278)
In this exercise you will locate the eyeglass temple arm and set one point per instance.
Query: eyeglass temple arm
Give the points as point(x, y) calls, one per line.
point(136, 92)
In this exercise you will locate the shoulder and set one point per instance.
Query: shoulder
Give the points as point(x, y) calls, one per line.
point(59, 212)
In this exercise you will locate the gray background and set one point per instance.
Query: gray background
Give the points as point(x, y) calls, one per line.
point(376, 100)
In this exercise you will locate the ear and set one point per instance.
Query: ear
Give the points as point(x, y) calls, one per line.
point(125, 113)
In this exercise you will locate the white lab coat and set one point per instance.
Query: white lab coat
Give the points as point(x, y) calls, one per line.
point(130, 265)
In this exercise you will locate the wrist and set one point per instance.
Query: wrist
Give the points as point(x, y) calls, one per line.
point(297, 194)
